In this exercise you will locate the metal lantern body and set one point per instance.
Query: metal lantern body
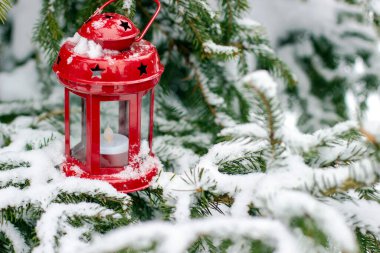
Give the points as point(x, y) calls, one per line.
point(109, 62)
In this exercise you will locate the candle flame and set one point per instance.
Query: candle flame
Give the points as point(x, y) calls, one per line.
point(108, 134)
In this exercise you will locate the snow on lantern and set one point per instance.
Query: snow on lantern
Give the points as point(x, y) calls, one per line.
point(111, 71)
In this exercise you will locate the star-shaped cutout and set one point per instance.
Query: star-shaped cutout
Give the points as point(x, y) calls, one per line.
point(58, 60)
point(97, 71)
point(125, 25)
point(108, 16)
point(142, 69)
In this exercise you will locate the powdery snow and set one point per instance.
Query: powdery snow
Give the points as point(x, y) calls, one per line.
point(98, 24)
point(279, 186)
point(369, 119)
point(146, 164)
point(23, 15)
point(20, 84)
point(244, 130)
point(88, 47)
point(70, 59)
point(371, 122)
point(249, 23)
point(212, 48)
point(46, 182)
point(262, 81)
point(55, 220)
point(127, 4)
point(15, 236)
point(360, 213)
point(316, 19)
point(91, 49)
point(296, 204)
point(177, 238)
point(276, 191)
point(375, 5)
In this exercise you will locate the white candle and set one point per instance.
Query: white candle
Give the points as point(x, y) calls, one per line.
point(113, 144)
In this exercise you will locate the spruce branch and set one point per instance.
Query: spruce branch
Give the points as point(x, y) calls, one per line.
point(149, 203)
point(6, 244)
point(310, 229)
point(49, 115)
point(370, 137)
point(269, 115)
point(349, 184)
point(20, 185)
point(368, 242)
point(5, 6)
point(250, 162)
point(213, 229)
point(195, 43)
point(351, 152)
point(233, 10)
point(116, 204)
point(10, 165)
point(368, 193)
point(47, 33)
point(201, 87)
point(11, 240)
point(357, 175)
point(41, 143)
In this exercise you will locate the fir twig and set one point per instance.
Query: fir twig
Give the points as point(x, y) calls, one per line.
point(5, 6)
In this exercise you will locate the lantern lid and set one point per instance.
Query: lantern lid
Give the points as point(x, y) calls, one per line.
point(110, 30)
point(108, 56)
point(84, 66)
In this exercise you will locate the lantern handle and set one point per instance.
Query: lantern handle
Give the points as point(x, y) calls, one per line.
point(141, 36)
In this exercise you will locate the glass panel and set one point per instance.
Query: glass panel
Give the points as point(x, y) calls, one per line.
point(78, 127)
point(145, 117)
point(124, 118)
point(114, 142)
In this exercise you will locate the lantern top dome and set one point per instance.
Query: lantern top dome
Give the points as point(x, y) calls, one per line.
point(110, 30)
point(107, 56)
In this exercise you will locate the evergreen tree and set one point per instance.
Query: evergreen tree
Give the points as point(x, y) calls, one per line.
point(241, 171)
point(334, 52)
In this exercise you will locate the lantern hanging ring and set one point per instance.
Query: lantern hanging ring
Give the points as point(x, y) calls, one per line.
point(141, 36)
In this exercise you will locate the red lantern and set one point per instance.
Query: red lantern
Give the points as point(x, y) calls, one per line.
point(108, 66)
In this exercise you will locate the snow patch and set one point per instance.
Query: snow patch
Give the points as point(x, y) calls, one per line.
point(70, 60)
point(375, 4)
point(88, 47)
point(20, 84)
point(262, 81)
point(287, 205)
point(98, 24)
point(177, 238)
point(371, 122)
point(249, 23)
point(146, 164)
point(55, 219)
point(14, 235)
point(360, 213)
point(127, 4)
point(211, 48)
point(24, 15)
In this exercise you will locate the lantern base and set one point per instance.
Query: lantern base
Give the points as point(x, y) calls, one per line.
point(71, 169)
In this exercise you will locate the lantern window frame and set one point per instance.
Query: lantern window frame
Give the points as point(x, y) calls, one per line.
point(92, 127)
